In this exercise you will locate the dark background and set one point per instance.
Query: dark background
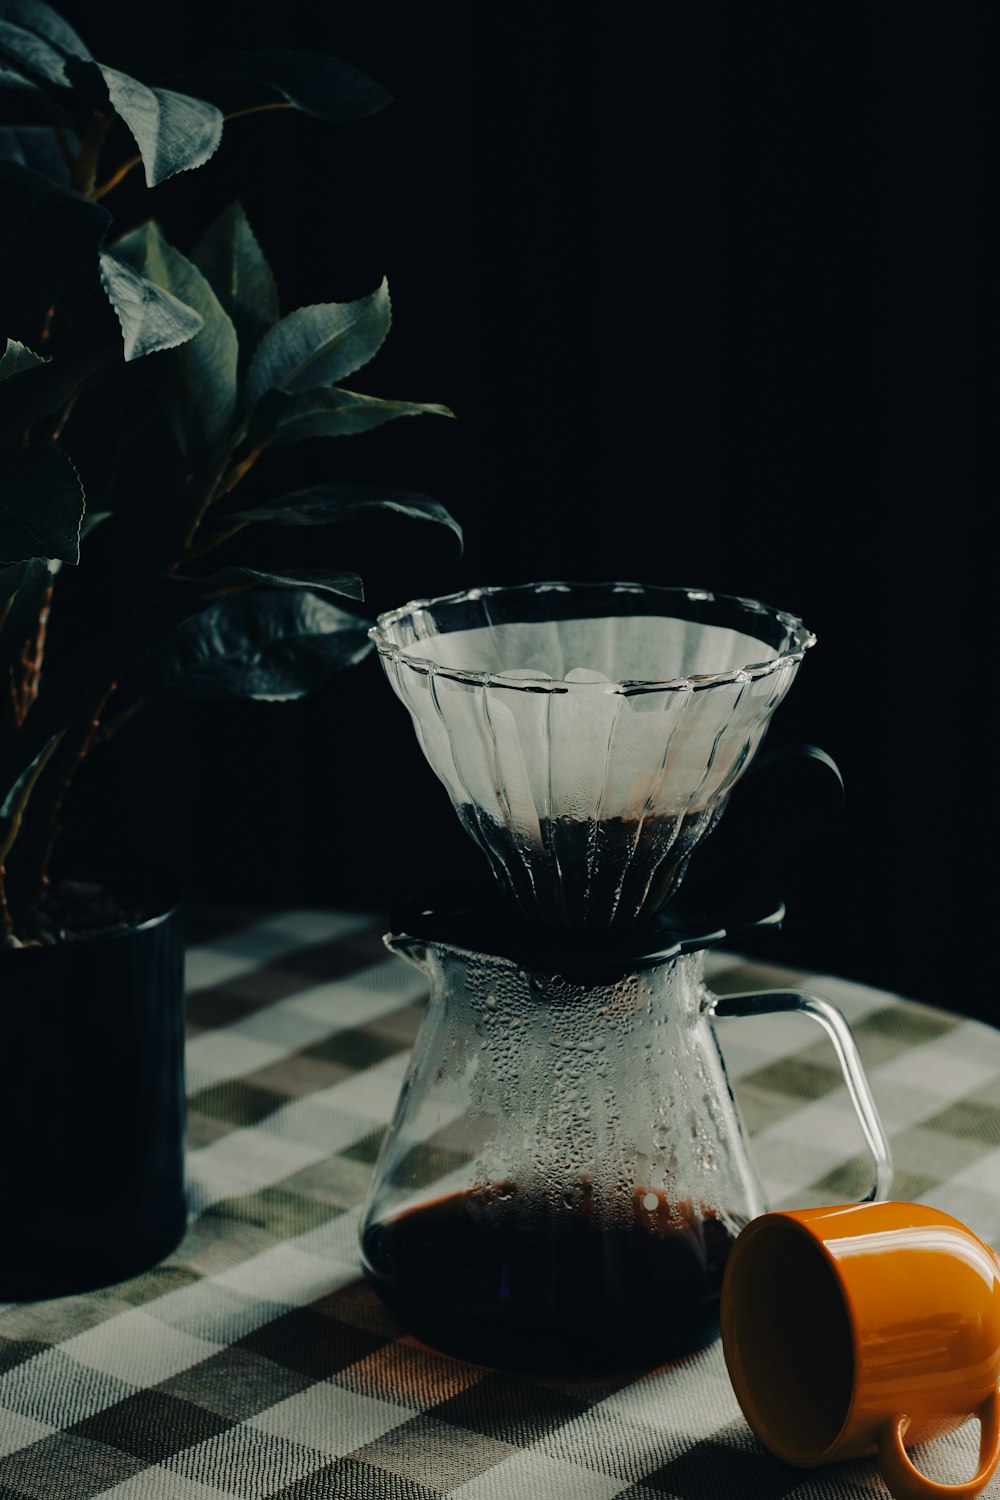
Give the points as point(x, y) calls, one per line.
point(715, 301)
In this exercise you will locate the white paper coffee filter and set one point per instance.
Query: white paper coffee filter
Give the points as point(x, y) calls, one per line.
point(639, 648)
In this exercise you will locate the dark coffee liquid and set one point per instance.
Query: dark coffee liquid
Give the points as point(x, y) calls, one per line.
point(506, 1277)
point(595, 874)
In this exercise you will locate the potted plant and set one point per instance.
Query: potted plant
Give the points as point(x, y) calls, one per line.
point(116, 589)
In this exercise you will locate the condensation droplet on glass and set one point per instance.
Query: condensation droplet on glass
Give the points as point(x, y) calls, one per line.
point(650, 1202)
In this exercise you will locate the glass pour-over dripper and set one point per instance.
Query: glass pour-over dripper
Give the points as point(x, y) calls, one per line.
point(589, 735)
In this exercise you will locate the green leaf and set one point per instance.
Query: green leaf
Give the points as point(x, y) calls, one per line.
point(16, 358)
point(151, 319)
point(316, 84)
point(22, 593)
point(174, 132)
point(49, 240)
point(35, 44)
point(9, 802)
point(32, 54)
point(232, 579)
point(271, 644)
point(44, 22)
point(232, 261)
point(36, 147)
point(279, 418)
point(206, 367)
point(317, 345)
point(41, 506)
point(325, 504)
point(11, 78)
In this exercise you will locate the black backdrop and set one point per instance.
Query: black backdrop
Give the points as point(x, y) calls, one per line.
point(714, 298)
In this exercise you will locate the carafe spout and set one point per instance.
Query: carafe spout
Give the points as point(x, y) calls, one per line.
point(414, 950)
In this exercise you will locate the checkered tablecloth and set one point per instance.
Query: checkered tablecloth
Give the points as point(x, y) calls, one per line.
point(255, 1363)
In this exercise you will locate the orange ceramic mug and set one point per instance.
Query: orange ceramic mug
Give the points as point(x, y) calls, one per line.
point(848, 1329)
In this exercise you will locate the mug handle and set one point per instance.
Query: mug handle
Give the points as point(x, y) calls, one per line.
point(769, 1002)
point(907, 1483)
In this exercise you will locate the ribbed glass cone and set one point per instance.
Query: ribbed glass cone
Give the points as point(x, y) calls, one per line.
point(589, 734)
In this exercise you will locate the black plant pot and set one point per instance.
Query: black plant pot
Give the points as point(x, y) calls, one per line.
point(92, 1105)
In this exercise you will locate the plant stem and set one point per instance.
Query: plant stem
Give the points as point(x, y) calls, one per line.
point(119, 721)
point(6, 921)
point(32, 655)
point(259, 109)
point(234, 476)
point(11, 703)
point(64, 417)
point(84, 174)
point(208, 543)
point(215, 487)
point(116, 177)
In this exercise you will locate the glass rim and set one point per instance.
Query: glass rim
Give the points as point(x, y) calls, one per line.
point(801, 638)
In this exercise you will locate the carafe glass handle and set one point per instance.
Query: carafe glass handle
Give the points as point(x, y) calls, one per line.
point(768, 1002)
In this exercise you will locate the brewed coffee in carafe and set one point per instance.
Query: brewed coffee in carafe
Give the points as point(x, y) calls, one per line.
point(567, 1167)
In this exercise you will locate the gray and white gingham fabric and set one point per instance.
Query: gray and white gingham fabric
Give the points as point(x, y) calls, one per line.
point(255, 1363)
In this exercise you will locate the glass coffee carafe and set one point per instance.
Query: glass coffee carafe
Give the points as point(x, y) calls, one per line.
point(567, 1169)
